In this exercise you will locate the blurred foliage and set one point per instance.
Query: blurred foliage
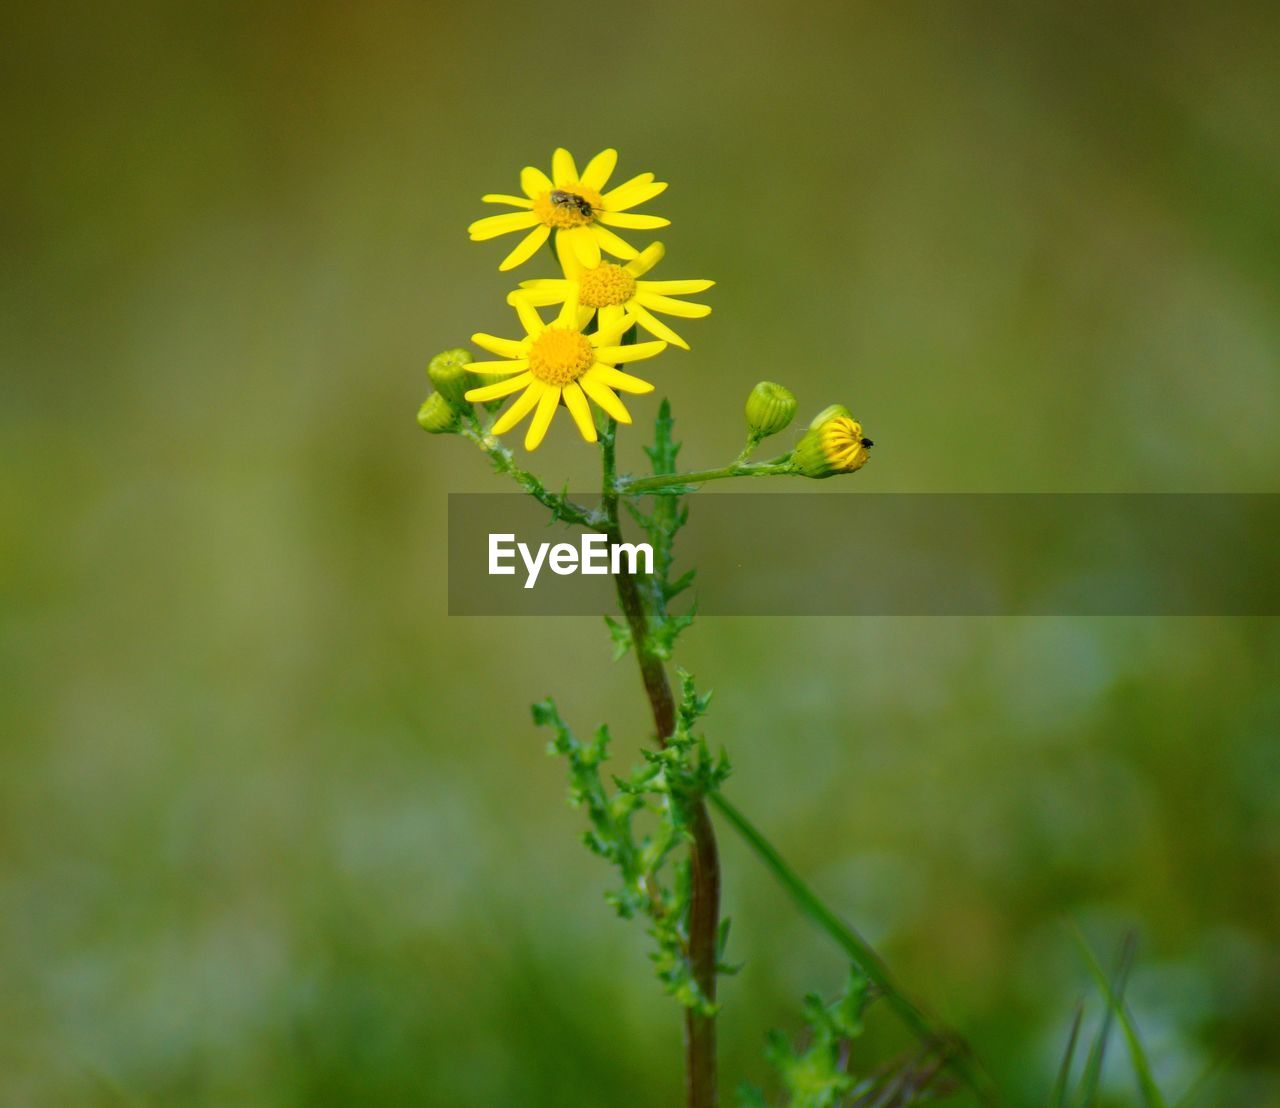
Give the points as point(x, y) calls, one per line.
point(269, 830)
point(817, 1075)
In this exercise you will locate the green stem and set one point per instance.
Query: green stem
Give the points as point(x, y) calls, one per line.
point(663, 482)
point(956, 1052)
point(750, 448)
point(704, 870)
point(504, 462)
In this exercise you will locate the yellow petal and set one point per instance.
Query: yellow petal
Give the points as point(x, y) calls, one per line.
point(518, 408)
point(500, 389)
point(580, 410)
point(563, 171)
point(504, 198)
point(603, 395)
point(534, 182)
point(612, 328)
point(539, 297)
point(585, 246)
point(568, 316)
point(546, 284)
point(504, 348)
point(674, 288)
point(657, 328)
point(529, 318)
point(632, 221)
point(599, 169)
point(638, 352)
point(569, 264)
point(670, 306)
point(498, 369)
point(494, 225)
point(527, 248)
point(636, 191)
point(611, 316)
point(610, 242)
point(616, 379)
point(650, 256)
point(547, 404)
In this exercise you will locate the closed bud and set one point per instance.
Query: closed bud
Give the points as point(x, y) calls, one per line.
point(448, 372)
point(437, 416)
point(836, 445)
point(770, 408)
point(831, 411)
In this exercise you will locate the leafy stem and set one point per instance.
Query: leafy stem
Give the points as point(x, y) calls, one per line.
point(562, 508)
point(703, 924)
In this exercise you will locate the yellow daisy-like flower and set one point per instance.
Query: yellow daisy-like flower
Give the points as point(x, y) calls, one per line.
point(616, 290)
point(557, 362)
point(833, 444)
point(575, 207)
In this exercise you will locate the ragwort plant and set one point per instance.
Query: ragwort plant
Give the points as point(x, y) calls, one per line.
point(669, 875)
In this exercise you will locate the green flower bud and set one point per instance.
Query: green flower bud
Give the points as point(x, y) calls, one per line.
point(437, 416)
point(831, 411)
point(770, 408)
point(834, 446)
point(448, 372)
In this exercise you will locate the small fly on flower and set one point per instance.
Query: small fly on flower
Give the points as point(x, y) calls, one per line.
point(580, 204)
point(578, 208)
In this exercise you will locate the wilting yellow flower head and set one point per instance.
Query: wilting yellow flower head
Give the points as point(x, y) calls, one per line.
point(616, 290)
point(834, 445)
point(558, 362)
point(574, 206)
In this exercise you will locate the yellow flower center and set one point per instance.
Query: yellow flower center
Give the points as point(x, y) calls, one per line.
point(843, 444)
point(563, 208)
point(606, 285)
point(559, 356)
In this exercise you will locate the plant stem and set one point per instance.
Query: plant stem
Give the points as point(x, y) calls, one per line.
point(779, 467)
point(504, 462)
point(955, 1051)
point(748, 449)
point(704, 870)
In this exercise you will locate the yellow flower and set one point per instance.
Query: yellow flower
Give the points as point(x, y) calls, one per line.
point(558, 362)
point(574, 206)
point(833, 444)
point(615, 291)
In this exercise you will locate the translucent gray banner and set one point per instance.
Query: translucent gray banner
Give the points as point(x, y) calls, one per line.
point(894, 554)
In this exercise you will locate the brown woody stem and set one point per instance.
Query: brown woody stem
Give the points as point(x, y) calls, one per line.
point(704, 909)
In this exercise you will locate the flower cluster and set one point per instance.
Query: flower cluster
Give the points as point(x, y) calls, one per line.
point(575, 358)
point(602, 300)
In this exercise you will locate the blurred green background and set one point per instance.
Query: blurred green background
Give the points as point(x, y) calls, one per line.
point(275, 830)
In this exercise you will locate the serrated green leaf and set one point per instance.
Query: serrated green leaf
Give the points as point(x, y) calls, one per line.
point(816, 1076)
point(652, 882)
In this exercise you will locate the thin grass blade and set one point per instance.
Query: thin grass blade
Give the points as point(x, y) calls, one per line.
point(1068, 1057)
point(957, 1053)
point(1098, 1051)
